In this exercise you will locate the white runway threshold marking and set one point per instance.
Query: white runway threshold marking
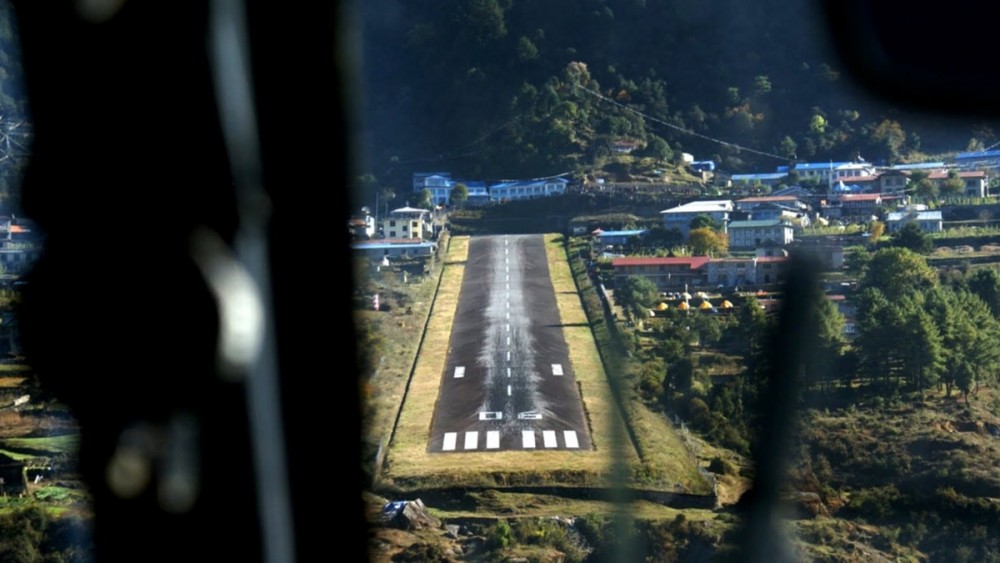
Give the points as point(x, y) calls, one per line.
point(471, 440)
point(570, 437)
point(528, 438)
point(557, 369)
point(549, 438)
point(459, 372)
point(449, 441)
point(493, 439)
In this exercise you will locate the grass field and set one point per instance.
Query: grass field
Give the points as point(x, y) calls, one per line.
point(11, 382)
point(383, 391)
point(68, 443)
point(499, 503)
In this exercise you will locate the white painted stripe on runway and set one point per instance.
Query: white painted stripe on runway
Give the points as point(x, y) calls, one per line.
point(508, 341)
point(549, 438)
point(508, 390)
point(528, 438)
point(471, 440)
point(488, 415)
point(449, 441)
point(508, 278)
point(557, 369)
point(459, 372)
point(492, 439)
point(508, 288)
point(508, 324)
point(508, 318)
point(570, 438)
point(508, 355)
point(508, 372)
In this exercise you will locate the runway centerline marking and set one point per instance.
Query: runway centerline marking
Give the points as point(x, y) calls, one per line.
point(449, 441)
point(508, 341)
point(493, 440)
point(459, 372)
point(471, 440)
point(549, 438)
point(557, 369)
point(508, 355)
point(508, 390)
point(508, 372)
point(528, 438)
point(570, 437)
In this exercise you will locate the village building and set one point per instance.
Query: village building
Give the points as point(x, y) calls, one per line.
point(755, 233)
point(408, 223)
point(928, 221)
point(680, 217)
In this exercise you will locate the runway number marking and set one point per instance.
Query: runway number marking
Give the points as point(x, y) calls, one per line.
point(557, 369)
point(471, 440)
point(493, 439)
point(549, 438)
point(570, 437)
point(528, 438)
point(459, 372)
point(490, 415)
point(449, 441)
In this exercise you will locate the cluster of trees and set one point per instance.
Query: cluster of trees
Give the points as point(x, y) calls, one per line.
point(916, 333)
point(706, 237)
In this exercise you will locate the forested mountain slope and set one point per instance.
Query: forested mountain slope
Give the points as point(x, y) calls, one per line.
point(498, 89)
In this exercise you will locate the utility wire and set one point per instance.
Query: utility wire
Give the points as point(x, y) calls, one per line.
point(678, 128)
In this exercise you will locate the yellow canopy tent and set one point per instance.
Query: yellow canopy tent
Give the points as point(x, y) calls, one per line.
point(662, 307)
point(705, 305)
point(683, 306)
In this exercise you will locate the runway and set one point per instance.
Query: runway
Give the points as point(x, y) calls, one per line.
point(508, 384)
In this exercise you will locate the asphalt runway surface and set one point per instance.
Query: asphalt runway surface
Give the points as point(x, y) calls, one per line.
point(508, 384)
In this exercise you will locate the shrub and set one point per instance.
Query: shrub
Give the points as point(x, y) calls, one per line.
point(722, 466)
point(500, 535)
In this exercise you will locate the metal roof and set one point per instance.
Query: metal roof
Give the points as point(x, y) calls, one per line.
point(631, 233)
point(702, 207)
point(757, 224)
